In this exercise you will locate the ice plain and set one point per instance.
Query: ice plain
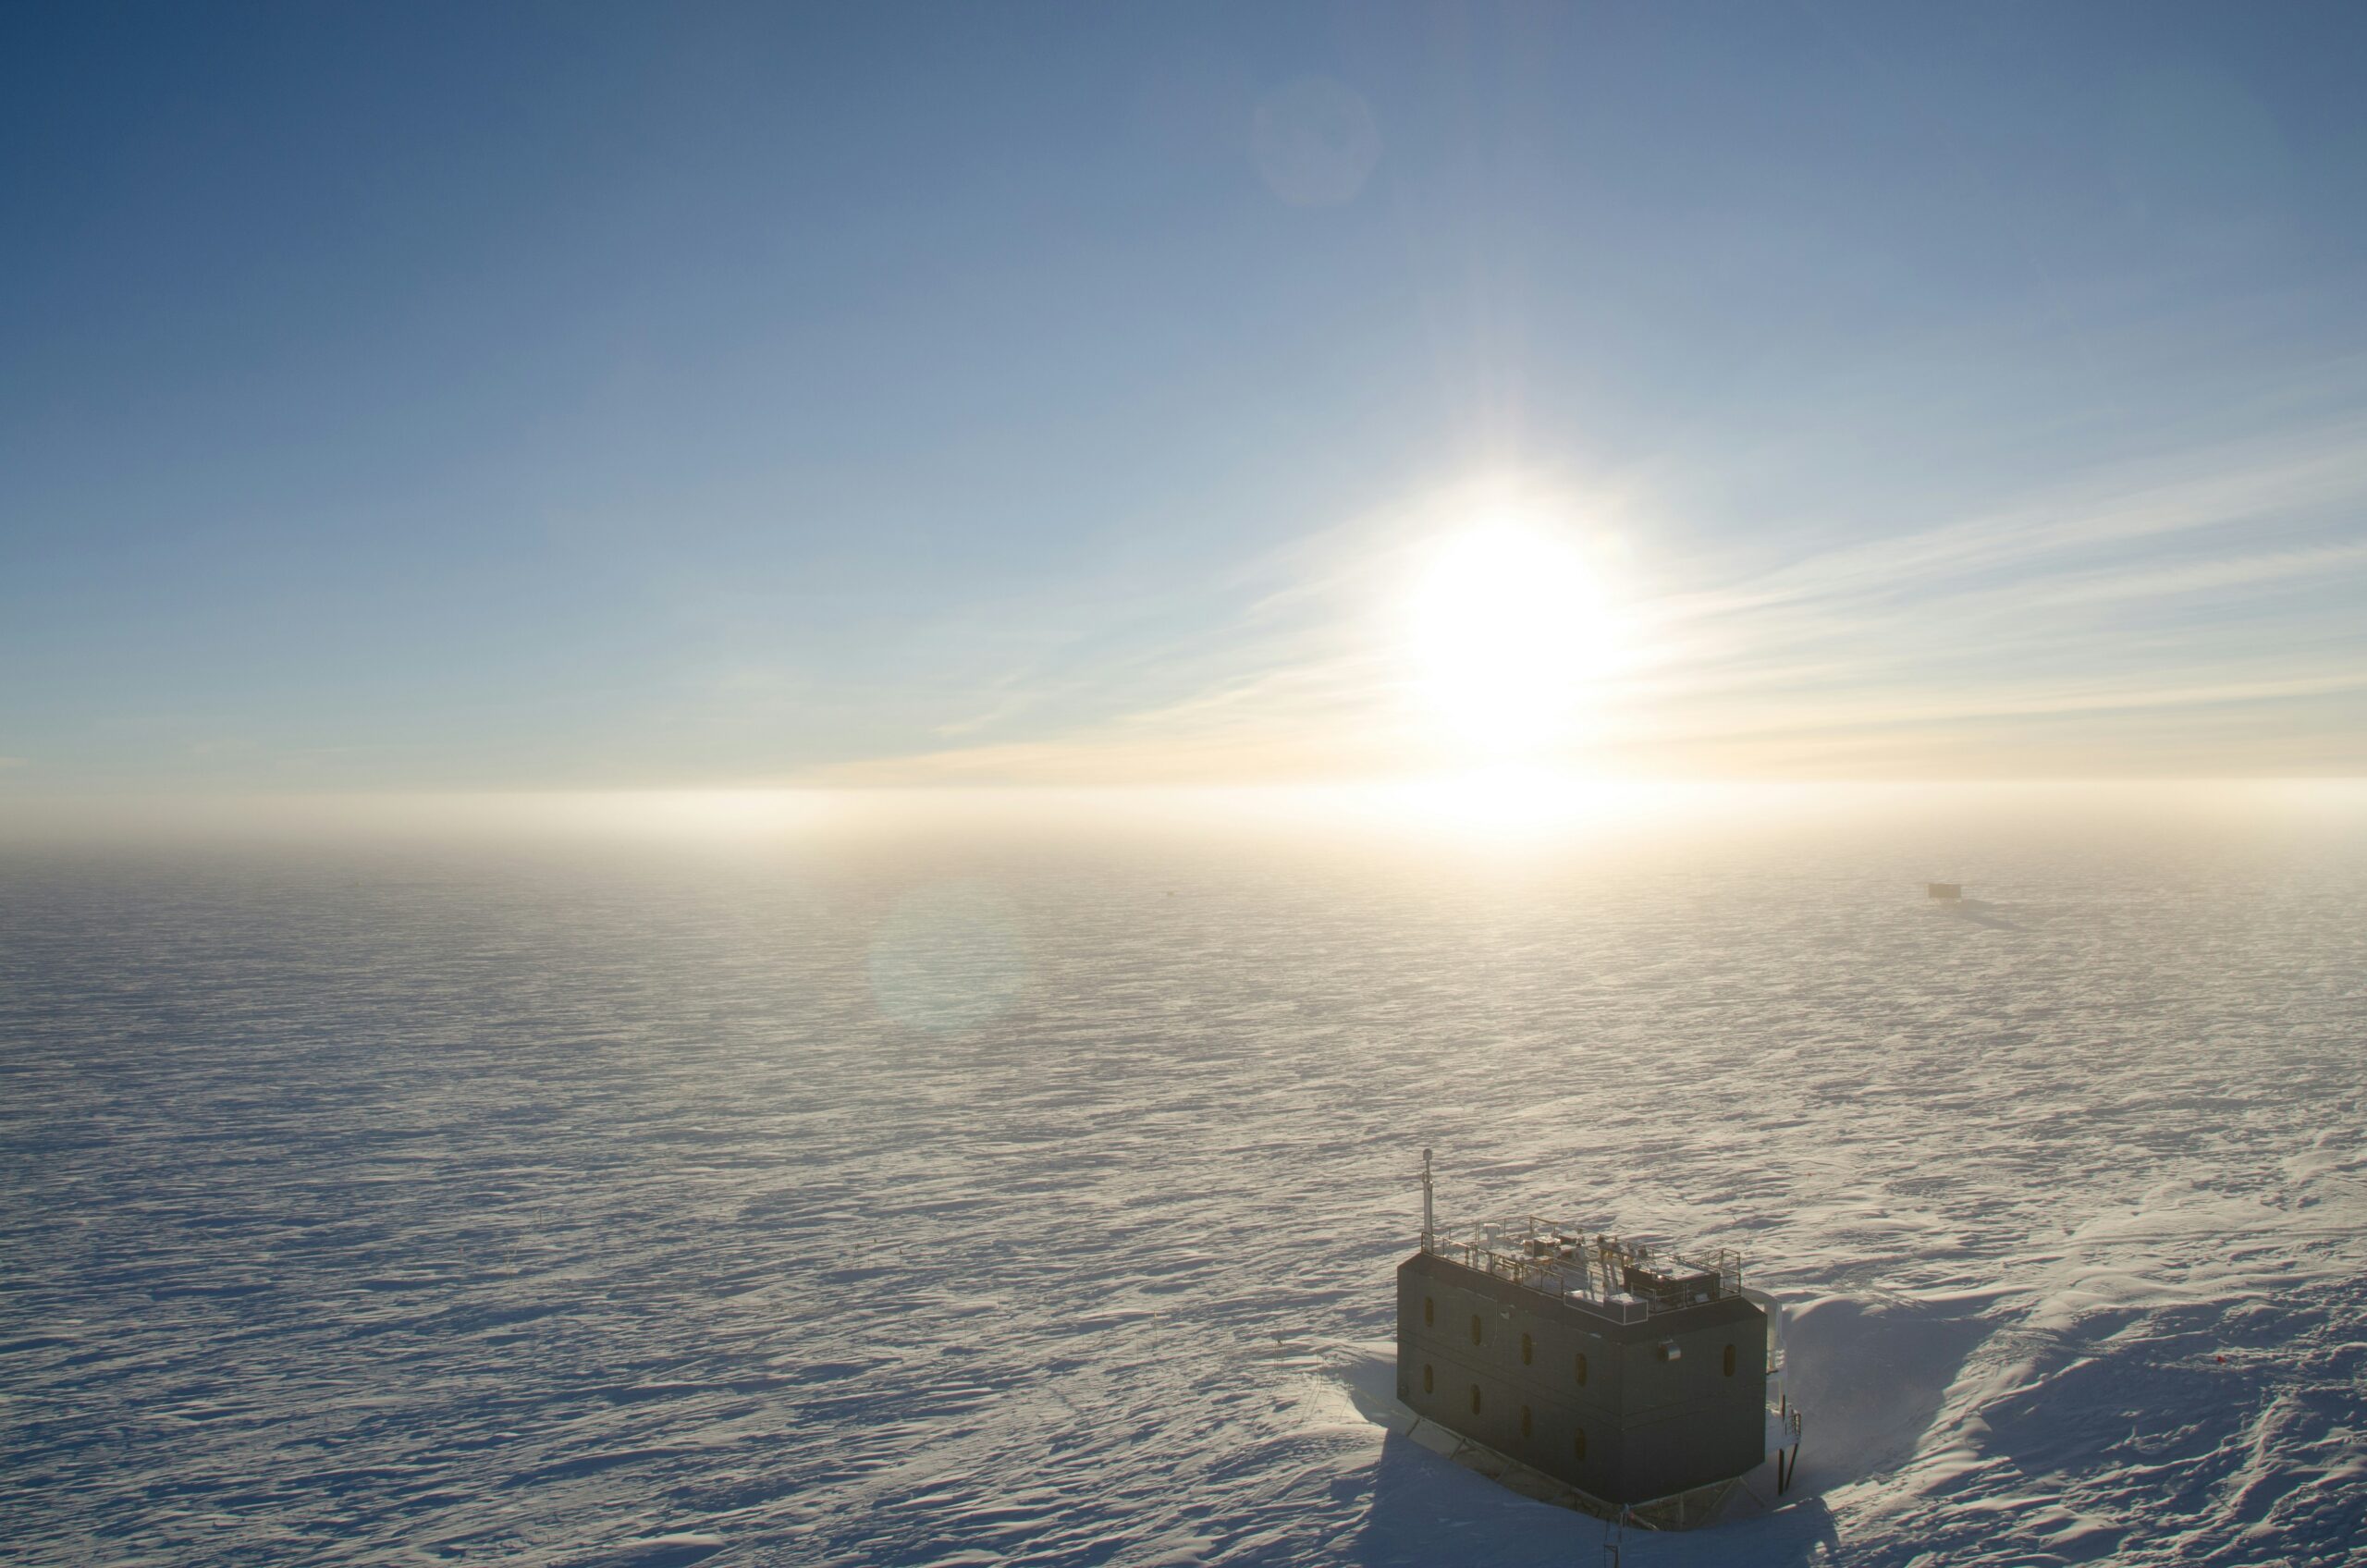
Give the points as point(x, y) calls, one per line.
point(935, 1198)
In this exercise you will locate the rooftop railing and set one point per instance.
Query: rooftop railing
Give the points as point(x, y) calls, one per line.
point(1596, 1273)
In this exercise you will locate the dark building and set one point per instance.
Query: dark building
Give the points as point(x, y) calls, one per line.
point(1629, 1378)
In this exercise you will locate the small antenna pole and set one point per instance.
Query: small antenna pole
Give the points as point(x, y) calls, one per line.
point(1428, 1229)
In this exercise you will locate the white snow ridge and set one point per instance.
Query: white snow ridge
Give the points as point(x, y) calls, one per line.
point(407, 1208)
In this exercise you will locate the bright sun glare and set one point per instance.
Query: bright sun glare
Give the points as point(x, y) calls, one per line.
point(1510, 635)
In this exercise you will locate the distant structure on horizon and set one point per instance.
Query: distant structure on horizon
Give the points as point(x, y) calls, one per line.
point(1946, 892)
point(1643, 1387)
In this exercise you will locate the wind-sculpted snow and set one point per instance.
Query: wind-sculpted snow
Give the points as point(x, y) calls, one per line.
point(904, 1203)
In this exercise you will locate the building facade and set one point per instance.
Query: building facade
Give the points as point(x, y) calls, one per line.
point(1651, 1383)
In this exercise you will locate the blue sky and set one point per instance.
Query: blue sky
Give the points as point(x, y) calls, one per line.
point(418, 397)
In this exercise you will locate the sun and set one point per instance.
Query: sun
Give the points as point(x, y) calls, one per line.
point(1509, 633)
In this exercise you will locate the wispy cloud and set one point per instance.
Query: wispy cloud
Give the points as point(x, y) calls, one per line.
point(2115, 513)
point(2201, 608)
point(2315, 564)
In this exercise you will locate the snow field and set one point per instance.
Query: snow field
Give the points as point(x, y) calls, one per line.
point(367, 1206)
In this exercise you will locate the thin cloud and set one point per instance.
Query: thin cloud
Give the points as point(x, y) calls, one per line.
point(2102, 598)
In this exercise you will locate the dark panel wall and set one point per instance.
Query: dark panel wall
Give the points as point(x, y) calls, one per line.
point(1546, 1385)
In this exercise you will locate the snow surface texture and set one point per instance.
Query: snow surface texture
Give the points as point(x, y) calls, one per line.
point(931, 1204)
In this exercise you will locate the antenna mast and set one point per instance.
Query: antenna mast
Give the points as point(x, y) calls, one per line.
point(1426, 1226)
